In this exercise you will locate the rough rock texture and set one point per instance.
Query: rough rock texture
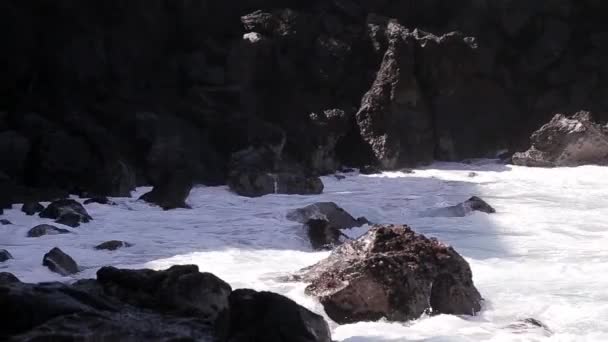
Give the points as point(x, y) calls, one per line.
point(46, 229)
point(395, 273)
point(66, 211)
point(113, 245)
point(267, 316)
point(118, 94)
point(31, 208)
point(59, 262)
point(567, 141)
point(462, 209)
point(179, 303)
point(328, 211)
point(5, 255)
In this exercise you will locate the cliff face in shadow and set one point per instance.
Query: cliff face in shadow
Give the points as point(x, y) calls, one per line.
point(100, 96)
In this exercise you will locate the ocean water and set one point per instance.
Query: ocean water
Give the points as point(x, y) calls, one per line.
point(543, 255)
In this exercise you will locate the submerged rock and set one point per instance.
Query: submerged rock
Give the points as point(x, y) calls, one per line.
point(328, 211)
point(113, 245)
point(395, 273)
point(100, 200)
point(257, 183)
point(46, 229)
point(31, 208)
point(462, 209)
point(525, 325)
point(5, 222)
point(66, 211)
point(59, 262)
point(269, 317)
point(567, 141)
point(5, 255)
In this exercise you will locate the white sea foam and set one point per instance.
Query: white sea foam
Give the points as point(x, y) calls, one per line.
point(543, 254)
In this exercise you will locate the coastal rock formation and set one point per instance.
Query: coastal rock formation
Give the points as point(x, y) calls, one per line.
point(395, 273)
point(567, 141)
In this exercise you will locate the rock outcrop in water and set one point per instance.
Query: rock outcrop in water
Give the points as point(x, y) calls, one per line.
point(328, 211)
point(462, 209)
point(59, 262)
point(119, 94)
point(31, 208)
point(567, 141)
point(46, 229)
point(392, 272)
point(66, 211)
point(144, 305)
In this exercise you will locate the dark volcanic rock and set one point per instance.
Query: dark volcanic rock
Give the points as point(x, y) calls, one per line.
point(269, 317)
point(66, 211)
point(395, 273)
point(171, 192)
point(567, 141)
point(46, 229)
point(113, 245)
point(144, 305)
point(5, 255)
point(322, 234)
point(256, 183)
point(5, 222)
point(31, 208)
point(394, 118)
point(462, 209)
point(328, 211)
point(59, 262)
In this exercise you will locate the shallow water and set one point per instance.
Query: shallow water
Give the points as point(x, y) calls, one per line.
point(543, 254)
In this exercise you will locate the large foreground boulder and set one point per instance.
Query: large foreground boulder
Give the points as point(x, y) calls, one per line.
point(269, 317)
point(251, 183)
point(66, 211)
point(392, 272)
point(567, 141)
point(177, 304)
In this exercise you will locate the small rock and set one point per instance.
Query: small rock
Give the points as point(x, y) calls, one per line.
point(75, 212)
point(69, 219)
point(100, 200)
point(171, 192)
point(329, 211)
point(5, 255)
point(369, 170)
point(462, 209)
point(31, 208)
point(113, 245)
point(472, 174)
point(46, 229)
point(59, 262)
point(339, 177)
point(5, 222)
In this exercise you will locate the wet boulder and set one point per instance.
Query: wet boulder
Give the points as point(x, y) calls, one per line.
point(31, 208)
point(270, 317)
point(462, 209)
point(395, 273)
point(251, 183)
point(46, 229)
point(5, 222)
point(170, 192)
point(322, 234)
point(113, 245)
point(59, 262)
point(5, 255)
point(66, 211)
point(328, 211)
point(566, 141)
